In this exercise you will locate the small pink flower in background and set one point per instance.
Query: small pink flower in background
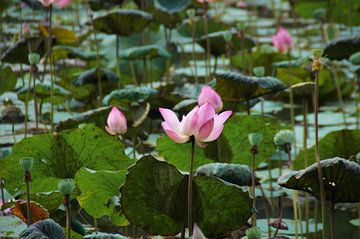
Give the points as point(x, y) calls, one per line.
point(283, 40)
point(208, 95)
point(197, 233)
point(26, 30)
point(46, 3)
point(116, 122)
point(202, 123)
point(206, 1)
point(241, 4)
point(62, 3)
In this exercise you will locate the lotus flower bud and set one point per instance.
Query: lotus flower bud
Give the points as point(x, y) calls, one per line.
point(228, 36)
point(26, 32)
point(259, 71)
point(253, 233)
point(317, 64)
point(66, 186)
point(116, 122)
point(208, 95)
point(46, 3)
point(191, 13)
point(284, 138)
point(26, 163)
point(255, 138)
point(34, 58)
point(317, 53)
point(197, 233)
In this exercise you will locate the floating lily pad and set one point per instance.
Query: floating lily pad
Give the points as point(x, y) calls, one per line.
point(214, 26)
point(341, 178)
point(215, 203)
point(342, 48)
point(127, 22)
point(145, 52)
point(62, 154)
point(130, 95)
point(341, 143)
point(171, 6)
point(91, 76)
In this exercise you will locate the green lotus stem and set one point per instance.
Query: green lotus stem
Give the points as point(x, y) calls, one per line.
point(254, 151)
point(357, 96)
point(207, 54)
point(266, 201)
point(270, 178)
point(280, 218)
point(27, 177)
point(350, 16)
point(216, 65)
point(193, 26)
point(27, 106)
point(68, 215)
point(332, 220)
point(250, 62)
point(51, 71)
point(117, 57)
point(190, 186)
point(317, 149)
point(2, 191)
point(339, 95)
point(134, 147)
point(316, 218)
point(305, 112)
point(35, 104)
point(13, 132)
point(98, 69)
point(358, 211)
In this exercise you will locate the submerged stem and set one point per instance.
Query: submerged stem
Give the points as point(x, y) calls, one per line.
point(190, 223)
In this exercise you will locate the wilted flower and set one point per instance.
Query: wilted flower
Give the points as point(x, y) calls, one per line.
point(202, 123)
point(208, 95)
point(116, 122)
point(283, 40)
point(26, 30)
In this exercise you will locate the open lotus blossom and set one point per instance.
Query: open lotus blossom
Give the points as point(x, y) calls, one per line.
point(208, 95)
point(58, 3)
point(116, 122)
point(202, 123)
point(283, 40)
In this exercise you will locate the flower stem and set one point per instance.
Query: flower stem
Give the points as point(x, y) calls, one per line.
point(305, 112)
point(317, 150)
point(35, 103)
point(254, 151)
point(206, 28)
point(193, 28)
point(27, 183)
point(2, 191)
point(190, 190)
point(27, 106)
point(68, 215)
point(117, 57)
point(332, 220)
point(98, 68)
point(51, 72)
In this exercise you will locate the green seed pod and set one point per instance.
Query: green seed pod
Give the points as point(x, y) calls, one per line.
point(316, 53)
point(255, 138)
point(319, 14)
point(284, 137)
point(259, 71)
point(241, 26)
point(355, 58)
point(66, 186)
point(228, 36)
point(34, 58)
point(190, 12)
point(253, 233)
point(26, 163)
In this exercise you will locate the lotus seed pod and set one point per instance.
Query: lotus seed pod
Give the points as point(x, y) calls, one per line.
point(34, 58)
point(319, 14)
point(66, 186)
point(26, 163)
point(255, 138)
point(284, 137)
point(357, 158)
point(259, 71)
point(190, 12)
point(316, 53)
point(228, 36)
point(253, 233)
point(241, 26)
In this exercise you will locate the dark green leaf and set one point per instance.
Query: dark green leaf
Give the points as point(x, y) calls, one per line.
point(342, 48)
point(171, 6)
point(7, 79)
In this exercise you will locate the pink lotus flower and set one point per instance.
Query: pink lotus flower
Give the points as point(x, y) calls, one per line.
point(116, 122)
point(283, 40)
point(26, 30)
point(202, 123)
point(58, 3)
point(208, 95)
point(46, 3)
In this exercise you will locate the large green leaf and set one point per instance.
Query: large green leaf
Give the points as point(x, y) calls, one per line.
point(64, 52)
point(341, 179)
point(130, 95)
point(154, 197)
point(91, 76)
point(7, 79)
point(218, 43)
point(342, 143)
point(171, 6)
point(214, 26)
point(122, 22)
point(99, 189)
point(342, 48)
point(145, 52)
point(61, 155)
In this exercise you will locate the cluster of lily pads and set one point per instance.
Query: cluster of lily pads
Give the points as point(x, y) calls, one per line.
point(188, 118)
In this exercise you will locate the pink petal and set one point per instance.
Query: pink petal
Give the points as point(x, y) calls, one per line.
point(205, 130)
point(171, 119)
point(215, 134)
point(109, 131)
point(62, 3)
point(208, 95)
point(206, 112)
point(176, 137)
point(190, 122)
point(116, 121)
point(46, 3)
point(221, 118)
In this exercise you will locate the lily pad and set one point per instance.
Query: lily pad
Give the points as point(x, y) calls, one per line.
point(215, 203)
point(61, 155)
point(171, 6)
point(91, 76)
point(145, 52)
point(130, 95)
point(69, 52)
point(341, 178)
point(8, 79)
point(341, 143)
point(214, 26)
point(127, 22)
point(342, 48)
